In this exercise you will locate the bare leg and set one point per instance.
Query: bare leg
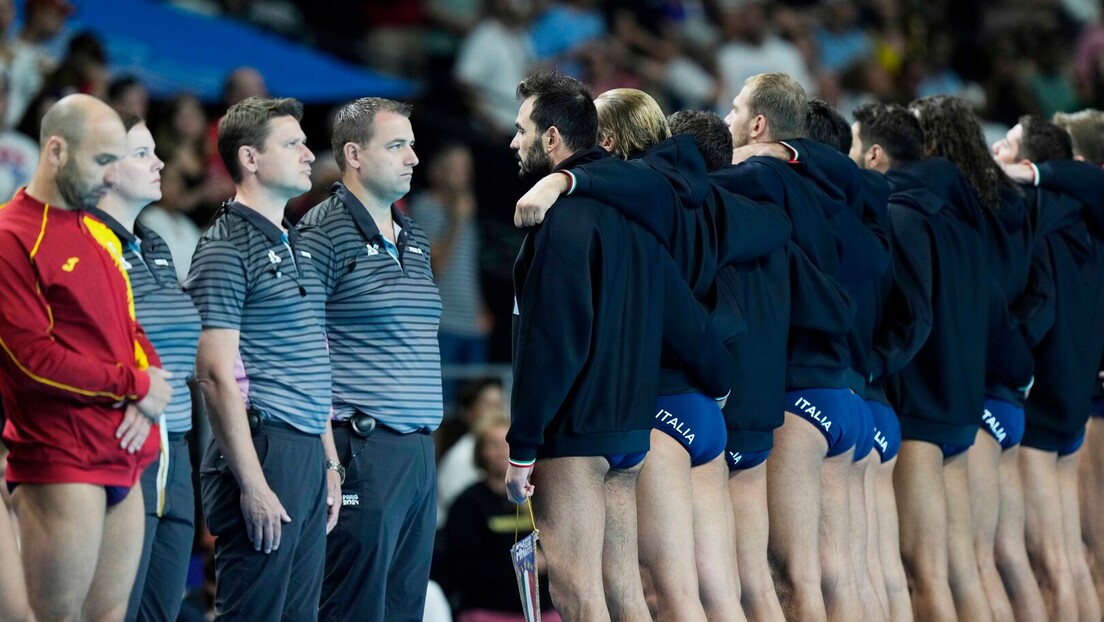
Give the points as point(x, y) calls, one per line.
point(1091, 472)
point(718, 577)
point(838, 574)
point(793, 502)
point(984, 463)
point(1010, 550)
point(13, 589)
point(1044, 532)
point(922, 507)
point(889, 545)
point(748, 492)
point(61, 528)
point(120, 551)
point(966, 587)
point(665, 513)
point(873, 603)
point(1088, 604)
point(870, 521)
point(569, 504)
point(620, 556)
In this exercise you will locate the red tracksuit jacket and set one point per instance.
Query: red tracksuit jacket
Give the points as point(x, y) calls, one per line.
point(71, 351)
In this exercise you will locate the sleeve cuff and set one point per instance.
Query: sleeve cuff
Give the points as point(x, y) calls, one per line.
point(1035, 174)
point(723, 397)
point(141, 385)
point(572, 183)
point(522, 464)
point(795, 158)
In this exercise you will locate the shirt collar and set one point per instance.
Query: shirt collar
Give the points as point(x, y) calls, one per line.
point(259, 222)
point(126, 237)
point(363, 220)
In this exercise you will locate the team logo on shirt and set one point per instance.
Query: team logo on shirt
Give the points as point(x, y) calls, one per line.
point(69, 265)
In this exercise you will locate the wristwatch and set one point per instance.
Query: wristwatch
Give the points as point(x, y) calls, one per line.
point(333, 465)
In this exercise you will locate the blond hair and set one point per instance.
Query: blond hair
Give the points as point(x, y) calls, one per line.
point(1086, 128)
point(632, 119)
point(780, 99)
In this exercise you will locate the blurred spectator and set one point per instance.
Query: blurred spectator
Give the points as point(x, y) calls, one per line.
point(563, 29)
point(841, 42)
point(492, 60)
point(83, 70)
point(18, 153)
point(128, 93)
point(21, 65)
point(396, 32)
point(450, 21)
point(480, 531)
point(43, 21)
point(456, 443)
point(750, 48)
point(446, 211)
point(1050, 83)
point(241, 83)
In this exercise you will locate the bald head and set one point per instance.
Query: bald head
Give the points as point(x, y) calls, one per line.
point(81, 138)
point(71, 117)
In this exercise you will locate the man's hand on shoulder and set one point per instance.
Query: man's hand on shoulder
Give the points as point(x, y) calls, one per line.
point(534, 204)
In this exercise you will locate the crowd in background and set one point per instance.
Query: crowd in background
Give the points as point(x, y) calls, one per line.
point(1007, 57)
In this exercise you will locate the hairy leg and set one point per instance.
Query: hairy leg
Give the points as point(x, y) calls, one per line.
point(793, 508)
point(665, 515)
point(889, 544)
point(718, 577)
point(984, 462)
point(620, 555)
point(120, 552)
point(1044, 534)
point(1010, 550)
point(922, 528)
point(748, 491)
point(1088, 603)
point(569, 504)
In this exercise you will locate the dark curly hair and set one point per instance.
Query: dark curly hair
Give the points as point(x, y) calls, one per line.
point(952, 131)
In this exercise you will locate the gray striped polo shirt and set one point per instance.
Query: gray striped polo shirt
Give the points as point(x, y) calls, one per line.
point(163, 310)
point(245, 277)
point(381, 314)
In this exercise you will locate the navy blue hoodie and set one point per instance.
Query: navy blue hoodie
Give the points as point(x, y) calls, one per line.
point(941, 267)
point(702, 226)
point(817, 352)
point(597, 300)
point(1069, 354)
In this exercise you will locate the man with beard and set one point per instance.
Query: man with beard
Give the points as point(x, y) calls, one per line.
point(597, 299)
point(80, 382)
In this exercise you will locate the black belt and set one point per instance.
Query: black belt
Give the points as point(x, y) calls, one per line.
point(176, 436)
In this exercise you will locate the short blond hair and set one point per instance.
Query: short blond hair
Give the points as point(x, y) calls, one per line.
point(782, 100)
point(1086, 128)
point(632, 119)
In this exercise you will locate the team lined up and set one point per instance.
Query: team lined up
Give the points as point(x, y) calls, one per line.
point(913, 343)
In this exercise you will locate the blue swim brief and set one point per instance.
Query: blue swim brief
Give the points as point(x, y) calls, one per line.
point(695, 421)
point(1072, 446)
point(864, 419)
point(115, 494)
point(887, 430)
point(621, 462)
point(1004, 421)
point(831, 411)
point(744, 460)
point(1097, 409)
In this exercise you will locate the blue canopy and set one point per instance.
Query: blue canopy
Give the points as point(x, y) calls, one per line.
point(174, 50)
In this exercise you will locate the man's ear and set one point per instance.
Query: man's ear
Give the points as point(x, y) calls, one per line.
point(352, 152)
point(758, 127)
point(247, 158)
point(552, 139)
point(875, 156)
point(57, 151)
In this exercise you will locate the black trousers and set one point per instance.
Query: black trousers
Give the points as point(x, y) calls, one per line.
point(378, 555)
point(284, 584)
point(167, 546)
